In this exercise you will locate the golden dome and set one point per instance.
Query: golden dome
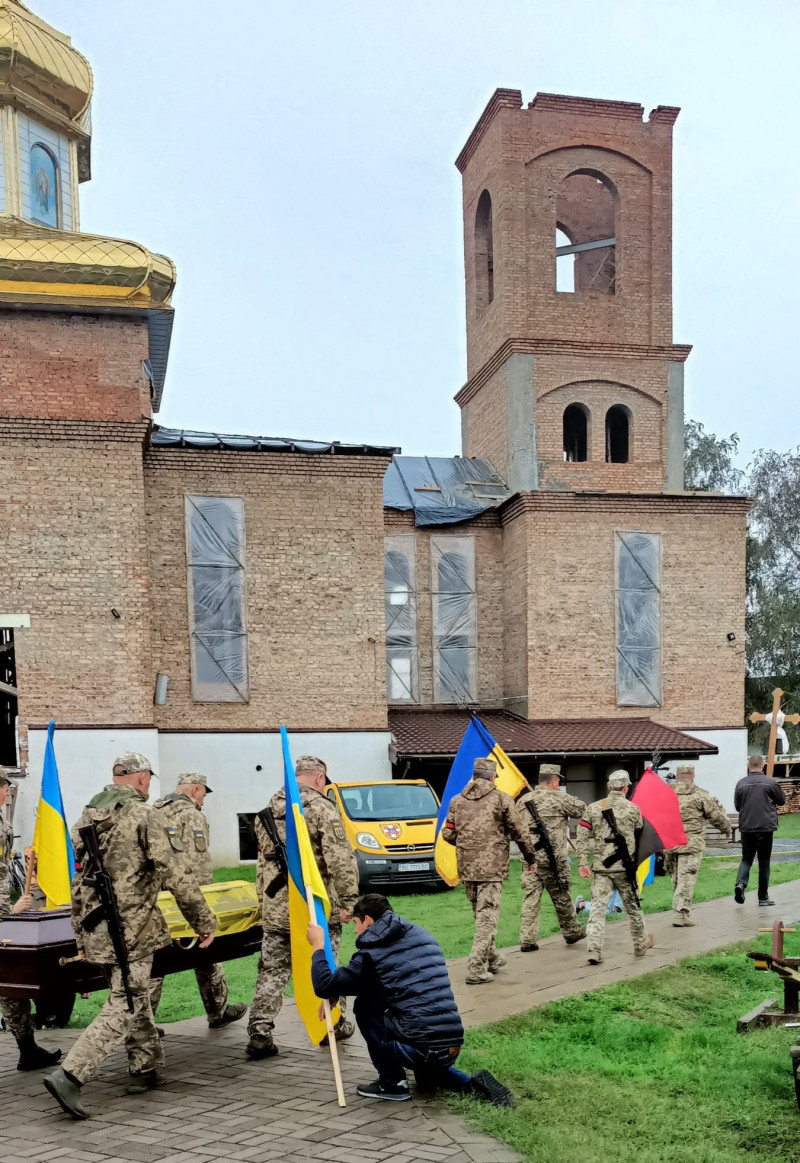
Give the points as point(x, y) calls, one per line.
point(38, 264)
point(38, 62)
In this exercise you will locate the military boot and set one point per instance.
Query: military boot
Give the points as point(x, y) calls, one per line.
point(496, 962)
point(34, 1057)
point(230, 1014)
point(140, 1081)
point(261, 1046)
point(67, 1092)
point(649, 943)
point(573, 938)
point(343, 1030)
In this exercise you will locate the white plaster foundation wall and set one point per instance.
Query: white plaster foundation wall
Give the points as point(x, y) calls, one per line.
point(719, 774)
point(230, 762)
point(85, 759)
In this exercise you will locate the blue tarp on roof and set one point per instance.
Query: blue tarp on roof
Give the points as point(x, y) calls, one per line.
point(442, 489)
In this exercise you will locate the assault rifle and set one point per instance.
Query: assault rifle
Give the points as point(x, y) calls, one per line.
point(96, 877)
point(278, 853)
point(545, 843)
point(621, 853)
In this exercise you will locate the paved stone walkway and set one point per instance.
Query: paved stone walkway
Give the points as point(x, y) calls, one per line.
point(218, 1106)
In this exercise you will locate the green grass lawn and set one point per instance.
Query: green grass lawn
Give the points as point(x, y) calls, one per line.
point(449, 917)
point(648, 1071)
point(447, 914)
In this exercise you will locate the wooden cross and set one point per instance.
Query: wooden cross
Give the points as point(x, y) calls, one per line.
point(755, 717)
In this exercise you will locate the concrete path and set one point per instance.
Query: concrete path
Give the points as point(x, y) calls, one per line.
point(218, 1106)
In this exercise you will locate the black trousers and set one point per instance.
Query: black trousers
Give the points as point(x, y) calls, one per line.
point(756, 844)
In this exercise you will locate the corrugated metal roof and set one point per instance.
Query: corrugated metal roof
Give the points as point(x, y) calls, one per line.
point(186, 438)
point(442, 489)
point(440, 732)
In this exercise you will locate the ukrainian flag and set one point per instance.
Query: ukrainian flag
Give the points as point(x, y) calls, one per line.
point(308, 900)
point(55, 860)
point(478, 743)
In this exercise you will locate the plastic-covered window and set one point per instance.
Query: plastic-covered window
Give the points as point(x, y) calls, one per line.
point(217, 599)
point(638, 585)
point(400, 600)
point(455, 619)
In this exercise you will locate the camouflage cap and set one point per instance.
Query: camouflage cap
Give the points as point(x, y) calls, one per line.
point(3, 777)
point(619, 778)
point(484, 769)
point(684, 771)
point(194, 777)
point(310, 763)
point(130, 762)
point(551, 769)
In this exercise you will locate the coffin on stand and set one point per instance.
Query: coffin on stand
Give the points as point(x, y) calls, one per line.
point(32, 945)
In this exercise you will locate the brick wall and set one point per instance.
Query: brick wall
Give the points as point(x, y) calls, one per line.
point(572, 635)
point(72, 546)
point(314, 561)
point(73, 367)
point(522, 157)
point(485, 431)
point(489, 580)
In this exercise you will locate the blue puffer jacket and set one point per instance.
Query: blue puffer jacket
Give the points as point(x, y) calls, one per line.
point(401, 968)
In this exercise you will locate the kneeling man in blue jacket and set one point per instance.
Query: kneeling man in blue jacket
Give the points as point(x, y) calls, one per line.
point(404, 1005)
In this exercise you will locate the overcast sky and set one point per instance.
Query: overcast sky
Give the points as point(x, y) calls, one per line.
point(296, 161)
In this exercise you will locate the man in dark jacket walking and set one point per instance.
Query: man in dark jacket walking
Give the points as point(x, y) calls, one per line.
point(756, 799)
point(404, 1005)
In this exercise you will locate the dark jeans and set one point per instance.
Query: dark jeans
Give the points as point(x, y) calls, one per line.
point(756, 844)
point(432, 1068)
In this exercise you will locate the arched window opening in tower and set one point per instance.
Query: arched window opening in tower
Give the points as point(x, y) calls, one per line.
point(576, 441)
point(617, 435)
point(586, 214)
point(484, 253)
point(565, 263)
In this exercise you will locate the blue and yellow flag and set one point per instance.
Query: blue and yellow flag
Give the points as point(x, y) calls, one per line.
point(304, 882)
point(478, 743)
point(55, 860)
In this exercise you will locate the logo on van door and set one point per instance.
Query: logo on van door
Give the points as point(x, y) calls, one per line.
point(391, 831)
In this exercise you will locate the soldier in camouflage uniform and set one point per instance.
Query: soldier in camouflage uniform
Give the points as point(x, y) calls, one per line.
point(595, 834)
point(184, 810)
point(555, 809)
point(137, 845)
point(16, 1011)
point(481, 823)
point(339, 872)
point(698, 807)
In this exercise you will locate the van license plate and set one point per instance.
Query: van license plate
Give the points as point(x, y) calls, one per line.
point(413, 868)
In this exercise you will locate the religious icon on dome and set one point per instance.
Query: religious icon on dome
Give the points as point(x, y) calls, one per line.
point(44, 186)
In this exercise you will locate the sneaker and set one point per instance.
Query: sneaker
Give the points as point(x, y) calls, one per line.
point(485, 1086)
point(738, 894)
point(67, 1092)
point(261, 1046)
point(228, 1015)
point(478, 978)
point(595, 958)
point(497, 962)
point(389, 1091)
point(140, 1081)
point(767, 904)
point(649, 943)
point(579, 904)
point(575, 937)
point(532, 948)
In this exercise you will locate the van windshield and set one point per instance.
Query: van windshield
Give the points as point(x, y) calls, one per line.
point(387, 801)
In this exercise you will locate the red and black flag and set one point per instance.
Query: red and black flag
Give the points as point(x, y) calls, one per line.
point(663, 826)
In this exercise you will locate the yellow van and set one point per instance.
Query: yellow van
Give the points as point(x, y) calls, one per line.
point(391, 826)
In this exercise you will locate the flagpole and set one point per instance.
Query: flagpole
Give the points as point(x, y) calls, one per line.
point(326, 1006)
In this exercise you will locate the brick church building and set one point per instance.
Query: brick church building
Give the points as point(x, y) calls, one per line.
point(184, 593)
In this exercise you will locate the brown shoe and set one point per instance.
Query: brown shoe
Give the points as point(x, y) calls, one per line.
point(649, 943)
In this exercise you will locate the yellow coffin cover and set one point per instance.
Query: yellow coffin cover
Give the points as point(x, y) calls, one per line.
point(234, 903)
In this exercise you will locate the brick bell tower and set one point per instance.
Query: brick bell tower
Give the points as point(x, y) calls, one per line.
point(574, 381)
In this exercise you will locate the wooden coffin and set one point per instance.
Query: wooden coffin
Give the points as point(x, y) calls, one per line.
point(33, 944)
